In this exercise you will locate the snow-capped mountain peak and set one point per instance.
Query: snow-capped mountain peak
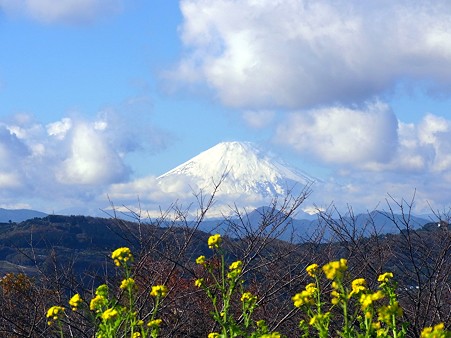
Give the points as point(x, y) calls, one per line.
point(248, 170)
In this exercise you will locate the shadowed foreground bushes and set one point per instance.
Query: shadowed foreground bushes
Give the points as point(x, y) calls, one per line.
point(352, 310)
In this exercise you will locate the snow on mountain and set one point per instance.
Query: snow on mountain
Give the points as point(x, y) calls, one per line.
point(250, 173)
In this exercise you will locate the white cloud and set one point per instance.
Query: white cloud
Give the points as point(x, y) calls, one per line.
point(59, 129)
point(299, 53)
point(66, 11)
point(9, 180)
point(341, 135)
point(435, 134)
point(91, 159)
point(69, 163)
point(431, 128)
point(258, 119)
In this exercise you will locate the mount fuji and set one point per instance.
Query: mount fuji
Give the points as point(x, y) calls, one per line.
point(247, 174)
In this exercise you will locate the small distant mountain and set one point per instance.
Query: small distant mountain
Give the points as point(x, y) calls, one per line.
point(248, 170)
point(18, 215)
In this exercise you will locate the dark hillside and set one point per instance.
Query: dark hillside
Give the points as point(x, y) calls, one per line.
point(67, 254)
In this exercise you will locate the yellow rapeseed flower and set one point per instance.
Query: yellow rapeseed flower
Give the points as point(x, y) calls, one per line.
point(358, 285)
point(368, 299)
point(214, 241)
point(235, 269)
point(109, 314)
point(271, 335)
point(200, 260)
point(312, 269)
point(199, 282)
point(376, 325)
point(154, 323)
point(136, 335)
point(335, 297)
point(213, 335)
point(159, 291)
point(437, 331)
point(319, 317)
point(97, 303)
point(311, 288)
point(54, 313)
point(236, 265)
point(122, 256)
point(335, 269)
point(248, 297)
point(75, 302)
point(126, 283)
point(384, 278)
point(303, 298)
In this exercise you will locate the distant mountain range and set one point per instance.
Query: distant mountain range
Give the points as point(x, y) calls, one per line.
point(18, 215)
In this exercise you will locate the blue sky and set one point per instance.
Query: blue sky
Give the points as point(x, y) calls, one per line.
point(101, 96)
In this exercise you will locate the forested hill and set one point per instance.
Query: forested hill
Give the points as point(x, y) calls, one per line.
point(86, 242)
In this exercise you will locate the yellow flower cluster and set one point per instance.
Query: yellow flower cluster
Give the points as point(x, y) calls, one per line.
point(200, 260)
point(335, 269)
point(199, 282)
point(357, 286)
point(235, 269)
point(122, 256)
point(97, 303)
point(155, 323)
point(305, 297)
point(368, 299)
point(100, 300)
point(236, 265)
point(385, 277)
point(248, 297)
point(319, 317)
point(109, 314)
point(159, 291)
point(54, 313)
point(335, 297)
point(213, 335)
point(127, 283)
point(312, 270)
point(75, 302)
point(271, 335)
point(214, 241)
point(437, 331)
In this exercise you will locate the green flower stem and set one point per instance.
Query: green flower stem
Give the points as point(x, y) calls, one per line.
point(344, 303)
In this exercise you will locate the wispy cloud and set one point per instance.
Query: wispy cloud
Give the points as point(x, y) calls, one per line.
point(62, 11)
